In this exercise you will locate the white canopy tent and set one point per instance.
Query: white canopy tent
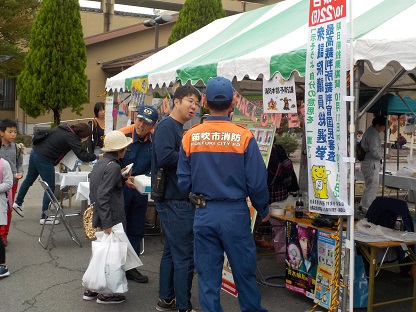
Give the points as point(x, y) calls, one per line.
point(273, 39)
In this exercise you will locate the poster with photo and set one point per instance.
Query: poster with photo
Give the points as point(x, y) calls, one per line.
point(138, 89)
point(248, 112)
point(326, 268)
point(301, 258)
point(326, 263)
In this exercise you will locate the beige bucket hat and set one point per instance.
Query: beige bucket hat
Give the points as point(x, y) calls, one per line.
point(115, 141)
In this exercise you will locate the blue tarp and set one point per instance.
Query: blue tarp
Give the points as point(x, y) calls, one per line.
point(390, 104)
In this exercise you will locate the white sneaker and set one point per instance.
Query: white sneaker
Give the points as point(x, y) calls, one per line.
point(48, 221)
point(18, 209)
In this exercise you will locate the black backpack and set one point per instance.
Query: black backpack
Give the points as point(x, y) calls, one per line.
point(40, 136)
point(278, 173)
point(282, 176)
point(359, 150)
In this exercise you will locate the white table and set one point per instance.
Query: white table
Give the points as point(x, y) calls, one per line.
point(394, 180)
point(142, 183)
point(70, 179)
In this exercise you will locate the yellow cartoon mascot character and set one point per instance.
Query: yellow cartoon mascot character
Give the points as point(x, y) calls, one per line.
point(320, 180)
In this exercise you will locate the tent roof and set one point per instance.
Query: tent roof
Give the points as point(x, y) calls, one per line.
point(273, 39)
point(390, 104)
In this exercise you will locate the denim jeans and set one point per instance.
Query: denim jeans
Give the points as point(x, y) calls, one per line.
point(177, 263)
point(46, 170)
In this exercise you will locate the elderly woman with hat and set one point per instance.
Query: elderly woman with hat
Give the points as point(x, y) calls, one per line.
point(106, 193)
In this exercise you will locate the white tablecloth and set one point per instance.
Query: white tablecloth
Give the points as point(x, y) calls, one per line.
point(396, 181)
point(83, 191)
point(70, 178)
point(402, 182)
point(392, 180)
point(142, 182)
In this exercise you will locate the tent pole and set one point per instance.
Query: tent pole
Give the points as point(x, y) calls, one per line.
point(370, 103)
point(349, 250)
point(354, 89)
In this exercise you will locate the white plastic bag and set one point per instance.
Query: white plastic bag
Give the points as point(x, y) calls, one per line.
point(132, 260)
point(105, 273)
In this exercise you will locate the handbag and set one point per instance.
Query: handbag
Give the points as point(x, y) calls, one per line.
point(87, 217)
point(87, 222)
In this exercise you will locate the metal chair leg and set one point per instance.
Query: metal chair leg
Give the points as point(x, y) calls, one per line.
point(142, 247)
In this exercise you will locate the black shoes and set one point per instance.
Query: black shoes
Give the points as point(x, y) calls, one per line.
point(110, 299)
point(166, 305)
point(89, 295)
point(136, 276)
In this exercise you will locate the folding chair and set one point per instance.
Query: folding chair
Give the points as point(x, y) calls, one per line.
point(57, 212)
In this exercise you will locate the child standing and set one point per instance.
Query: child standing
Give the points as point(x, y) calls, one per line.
point(6, 182)
point(11, 152)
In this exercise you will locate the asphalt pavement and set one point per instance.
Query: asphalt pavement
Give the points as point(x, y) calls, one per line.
point(50, 280)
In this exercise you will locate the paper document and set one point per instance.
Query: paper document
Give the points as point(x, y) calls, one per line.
point(69, 160)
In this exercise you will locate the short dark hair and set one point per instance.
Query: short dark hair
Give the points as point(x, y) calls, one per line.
point(219, 106)
point(183, 91)
point(7, 123)
point(82, 130)
point(97, 107)
point(379, 120)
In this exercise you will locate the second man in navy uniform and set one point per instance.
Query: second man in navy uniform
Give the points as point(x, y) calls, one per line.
point(139, 153)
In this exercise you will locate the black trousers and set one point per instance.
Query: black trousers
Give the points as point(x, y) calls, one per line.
point(2, 252)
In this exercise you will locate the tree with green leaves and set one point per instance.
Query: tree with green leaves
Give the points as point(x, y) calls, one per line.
point(16, 19)
point(54, 75)
point(194, 15)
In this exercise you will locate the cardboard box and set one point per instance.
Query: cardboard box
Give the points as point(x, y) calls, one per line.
point(143, 183)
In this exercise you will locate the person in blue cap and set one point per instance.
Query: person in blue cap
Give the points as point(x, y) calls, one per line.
point(221, 165)
point(139, 153)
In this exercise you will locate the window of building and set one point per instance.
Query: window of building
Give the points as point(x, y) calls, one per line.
point(7, 94)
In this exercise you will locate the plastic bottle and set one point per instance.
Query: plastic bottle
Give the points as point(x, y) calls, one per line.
point(398, 225)
point(299, 207)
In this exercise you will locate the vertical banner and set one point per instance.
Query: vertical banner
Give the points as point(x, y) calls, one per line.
point(279, 95)
point(326, 110)
point(109, 103)
point(123, 111)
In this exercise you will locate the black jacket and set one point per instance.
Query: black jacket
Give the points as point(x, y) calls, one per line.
point(59, 142)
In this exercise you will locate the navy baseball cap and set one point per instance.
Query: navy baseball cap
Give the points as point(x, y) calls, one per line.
point(148, 113)
point(219, 89)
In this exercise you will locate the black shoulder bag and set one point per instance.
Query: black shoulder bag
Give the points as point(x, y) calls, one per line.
point(159, 181)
